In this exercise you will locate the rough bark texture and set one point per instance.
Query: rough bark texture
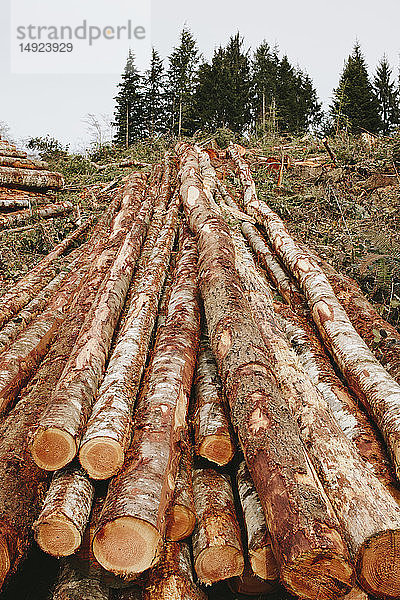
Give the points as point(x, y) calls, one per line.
point(21, 198)
point(20, 217)
point(65, 514)
point(31, 179)
point(23, 163)
point(172, 577)
point(378, 390)
point(136, 507)
point(108, 432)
point(212, 430)
point(182, 514)
point(69, 406)
point(259, 544)
point(307, 544)
point(72, 585)
point(217, 545)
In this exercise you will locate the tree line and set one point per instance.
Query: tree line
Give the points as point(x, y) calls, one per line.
point(244, 91)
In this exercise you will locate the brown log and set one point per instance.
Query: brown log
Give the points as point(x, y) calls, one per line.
point(22, 163)
point(9, 195)
point(31, 179)
point(217, 545)
point(212, 431)
point(135, 510)
point(13, 203)
point(249, 584)
point(108, 431)
point(11, 151)
point(56, 440)
point(304, 531)
point(368, 514)
point(72, 585)
point(172, 577)
point(182, 514)
point(40, 212)
point(378, 391)
point(261, 556)
point(63, 519)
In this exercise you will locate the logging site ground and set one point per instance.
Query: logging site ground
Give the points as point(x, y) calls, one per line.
point(200, 370)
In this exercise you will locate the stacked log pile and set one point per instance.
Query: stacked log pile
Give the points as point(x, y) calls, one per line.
point(247, 438)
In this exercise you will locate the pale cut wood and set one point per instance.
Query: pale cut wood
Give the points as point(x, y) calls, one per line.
point(182, 513)
point(72, 585)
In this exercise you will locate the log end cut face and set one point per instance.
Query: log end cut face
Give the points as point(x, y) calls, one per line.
point(127, 546)
point(53, 448)
point(5, 563)
point(181, 523)
point(217, 448)
point(218, 563)
point(379, 565)
point(58, 536)
point(319, 576)
point(101, 457)
point(264, 564)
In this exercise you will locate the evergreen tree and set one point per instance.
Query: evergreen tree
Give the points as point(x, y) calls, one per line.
point(183, 63)
point(387, 95)
point(154, 96)
point(354, 102)
point(265, 67)
point(129, 109)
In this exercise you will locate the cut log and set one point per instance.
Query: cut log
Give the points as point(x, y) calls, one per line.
point(108, 432)
point(40, 212)
point(72, 585)
point(304, 531)
point(56, 439)
point(368, 514)
point(259, 543)
point(13, 203)
point(23, 163)
point(217, 545)
point(172, 577)
point(212, 431)
point(65, 514)
point(135, 510)
point(249, 584)
point(367, 377)
point(182, 514)
point(31, 179)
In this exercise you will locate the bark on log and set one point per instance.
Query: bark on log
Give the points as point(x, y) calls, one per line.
point(60, 526)
point(72, 585)
point(23, 163)
point(368, 514)
point(31, 198)
point(40, 212)
point(11, 151)
point(378, 391)
point(212, 430)
point(31, 179)
point(217, 545)
point(261, 556)
point(312, 556)
point(108, 432)
point(182, 514)
point(13, 203)
point(172, 577)
point(56, 440)
point(136, 507)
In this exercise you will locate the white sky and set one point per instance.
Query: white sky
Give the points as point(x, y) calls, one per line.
point(316, 35)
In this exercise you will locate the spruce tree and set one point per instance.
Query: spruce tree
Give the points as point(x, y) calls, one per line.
point(129, 109)
point(354, 101)
point(265, 67)
point(387, 95)
point(154, 96)
point(183, 63)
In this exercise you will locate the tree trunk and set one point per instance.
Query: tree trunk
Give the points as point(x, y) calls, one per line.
point(217, 545)
point(182, 514)
point(72, 585)
point(23, 163)
point(21, 198)
point(108, 432)
point(56, 440)
point(370, 381)
point(13, 203)
point(65, 514)
point(172, 577)
point(212, 432)
point(31, 179)
point(304, 531)
point(259, 543)
point(40, 212)
point(135, 510)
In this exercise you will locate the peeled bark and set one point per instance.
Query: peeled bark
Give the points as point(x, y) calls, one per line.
point(378, 391)
point(22, 163)
point(212, 434)
point(135, 510)
point(172, 577)
point(15, 219)
point(259, 543)
point(217, 545)
point(108, 431)
point(304, 531)
point(182, 514)
point(28, 178)
point(57, 437)
point(60, 526)
point(72, 585)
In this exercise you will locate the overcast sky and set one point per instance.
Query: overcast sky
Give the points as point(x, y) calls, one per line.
point(317, 36)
